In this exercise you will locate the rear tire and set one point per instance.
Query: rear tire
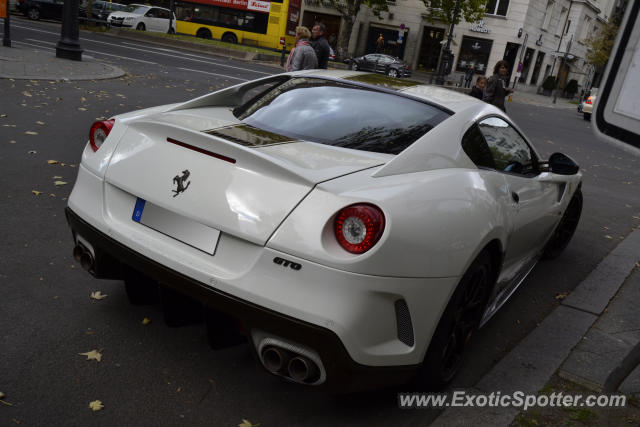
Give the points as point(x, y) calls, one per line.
point(353, 66)
point(392, 72)
point(457, 324)
point(140, 27)
point(565, 229)
point(229, 38)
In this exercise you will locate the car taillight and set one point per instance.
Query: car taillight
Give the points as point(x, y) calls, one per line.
point(99, 132)
point(588, 101)
point(359, 227)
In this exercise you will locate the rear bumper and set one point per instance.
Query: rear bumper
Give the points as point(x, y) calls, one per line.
point(343, 374)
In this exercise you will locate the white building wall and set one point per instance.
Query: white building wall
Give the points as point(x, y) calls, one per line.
point(528, 15)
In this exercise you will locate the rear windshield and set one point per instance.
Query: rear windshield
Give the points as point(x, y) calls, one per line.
point(342, 115)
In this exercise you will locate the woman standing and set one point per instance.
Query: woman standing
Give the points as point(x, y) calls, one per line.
point(302, 56)
point(497, 89)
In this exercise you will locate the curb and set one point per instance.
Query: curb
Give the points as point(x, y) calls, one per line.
point(530, 365)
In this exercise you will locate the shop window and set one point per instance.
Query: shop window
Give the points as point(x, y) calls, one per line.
point(474, 52)
point(497, 7)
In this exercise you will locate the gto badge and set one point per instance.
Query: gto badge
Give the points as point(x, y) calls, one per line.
point(285, 263)
point(180, 180)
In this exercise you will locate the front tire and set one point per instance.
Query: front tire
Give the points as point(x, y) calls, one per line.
point(140, 27)
point(353, 66)
point(457, 324)
point(565, 229)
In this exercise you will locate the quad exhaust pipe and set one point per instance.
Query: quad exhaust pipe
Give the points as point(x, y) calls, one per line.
point(289, 364)
point(84, 257)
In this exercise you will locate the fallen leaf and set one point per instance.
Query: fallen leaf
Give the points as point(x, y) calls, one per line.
point(92, 355)
point(146, 321)
point(52, 162)
point(608, 237)
point(2, 400)
point(31, 133)
point(27, 94)
point(96, 405)
point(12, 142)
point(59, 183)
point(3, 116)
point(57, 177)
point(98, 295)
point(31, 152)
point(247, 423)
point(36, 192)
point(40, 123)
point(52, 195)
point(561, 295)
point(82, 109)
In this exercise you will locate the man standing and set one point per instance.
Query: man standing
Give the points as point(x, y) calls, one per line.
point(320, 44)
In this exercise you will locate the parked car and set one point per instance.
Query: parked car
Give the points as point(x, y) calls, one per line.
point(359, 248)
point(379, 63)
point(36, 9)
point(101, 9)
point(332, 54)
point(144, 18)
point(587, 108)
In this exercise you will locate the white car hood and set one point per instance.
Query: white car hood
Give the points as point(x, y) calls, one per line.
point(243, 181)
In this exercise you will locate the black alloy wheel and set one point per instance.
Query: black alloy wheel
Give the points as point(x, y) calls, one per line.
point(33, 13)
point(566, 227)
point(457, 324)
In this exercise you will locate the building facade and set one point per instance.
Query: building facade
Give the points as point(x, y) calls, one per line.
point(532, 35)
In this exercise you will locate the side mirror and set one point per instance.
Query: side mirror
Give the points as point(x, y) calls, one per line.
point(562, 164)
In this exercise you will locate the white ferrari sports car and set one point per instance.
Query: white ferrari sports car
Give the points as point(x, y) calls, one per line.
point(354, 229)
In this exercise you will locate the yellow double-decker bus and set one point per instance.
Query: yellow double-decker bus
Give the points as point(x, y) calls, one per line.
point(251, 22)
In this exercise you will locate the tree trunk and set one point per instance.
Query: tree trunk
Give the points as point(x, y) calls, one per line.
point(343, 39)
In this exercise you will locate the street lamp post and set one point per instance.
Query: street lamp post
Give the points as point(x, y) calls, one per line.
point(68, 46)
point(447, 58)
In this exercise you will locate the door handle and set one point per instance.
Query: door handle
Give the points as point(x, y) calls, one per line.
point(515, 196)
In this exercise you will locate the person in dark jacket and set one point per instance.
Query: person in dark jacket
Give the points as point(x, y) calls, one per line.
point(320, 44)
point(497, 88)
point(477, 91)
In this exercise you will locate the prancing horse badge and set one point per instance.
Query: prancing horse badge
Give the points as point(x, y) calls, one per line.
point(180, 180)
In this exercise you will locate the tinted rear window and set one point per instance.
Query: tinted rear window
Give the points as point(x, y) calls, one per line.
point(343, 115)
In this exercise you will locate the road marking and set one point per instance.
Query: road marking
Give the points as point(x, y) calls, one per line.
point(101, 53)
point(33, 29)
point(35, 45)
point(213, 74)
point(151, 52)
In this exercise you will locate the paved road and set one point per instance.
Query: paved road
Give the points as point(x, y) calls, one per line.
point(155, 375)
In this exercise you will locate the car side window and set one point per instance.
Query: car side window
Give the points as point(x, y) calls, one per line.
point(164, 14)
point(151, 13)
point(510, 152)
point(476, 148)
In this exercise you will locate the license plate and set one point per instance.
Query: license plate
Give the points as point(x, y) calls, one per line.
point(176, 226)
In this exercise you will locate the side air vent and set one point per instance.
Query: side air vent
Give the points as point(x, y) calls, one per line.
point(403, 320)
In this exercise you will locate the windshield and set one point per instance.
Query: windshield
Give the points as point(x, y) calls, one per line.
point(342, 115)
point(137, 9)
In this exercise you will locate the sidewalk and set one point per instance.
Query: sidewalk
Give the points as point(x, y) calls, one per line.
point(25, 62)
point(583, 340)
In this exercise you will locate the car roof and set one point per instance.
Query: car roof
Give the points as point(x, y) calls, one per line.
point(447, 98)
